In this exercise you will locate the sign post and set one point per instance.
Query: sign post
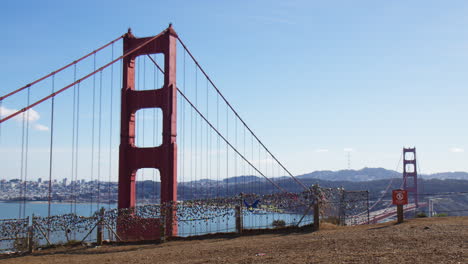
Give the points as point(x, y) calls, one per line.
point(400, 198)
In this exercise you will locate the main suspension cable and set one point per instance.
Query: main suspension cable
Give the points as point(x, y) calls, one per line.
point(61, 69)
point(217, 130)
point(226, 141)
point(80, 80)
point(238, 116)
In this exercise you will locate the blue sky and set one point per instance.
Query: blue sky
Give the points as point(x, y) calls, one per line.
point(313, 79)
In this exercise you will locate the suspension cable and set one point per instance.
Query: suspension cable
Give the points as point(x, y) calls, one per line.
point(61, 69)
point(110, 129)
point(26, 157)
point(238, 116)
point(99, 144)
point(227, 142)
point(51, 147)
point(73, 143)
point(80, 80)
point(93, 121)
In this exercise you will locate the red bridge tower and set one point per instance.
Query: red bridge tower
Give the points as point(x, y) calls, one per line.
point(164, 157)
point(410, 174)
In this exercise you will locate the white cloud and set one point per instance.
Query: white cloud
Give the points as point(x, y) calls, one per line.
point(321, 150)
point(457, 150)
point(40, 127)
point(30, 115)
point(348, 150)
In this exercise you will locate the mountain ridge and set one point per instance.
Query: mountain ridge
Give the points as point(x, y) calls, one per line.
point(370, 174)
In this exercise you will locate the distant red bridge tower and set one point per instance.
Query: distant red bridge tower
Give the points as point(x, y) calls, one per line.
point(410, 173)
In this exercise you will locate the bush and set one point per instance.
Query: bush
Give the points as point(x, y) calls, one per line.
point(279, 223)
point(441, 215)
point(421, 214)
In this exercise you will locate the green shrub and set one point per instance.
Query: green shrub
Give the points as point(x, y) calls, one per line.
point(421, 214)
point(441, 215)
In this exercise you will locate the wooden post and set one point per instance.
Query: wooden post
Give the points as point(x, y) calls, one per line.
point(100, 234)
point(400, 213)
point(31, 236)
point(239, 219)
point(316, 216)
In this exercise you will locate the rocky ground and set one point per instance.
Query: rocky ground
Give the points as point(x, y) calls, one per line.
point(424, 240)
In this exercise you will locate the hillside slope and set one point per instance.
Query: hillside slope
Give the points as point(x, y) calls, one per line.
point(429, 240)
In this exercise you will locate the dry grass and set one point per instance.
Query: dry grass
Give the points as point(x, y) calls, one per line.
point(429, 240)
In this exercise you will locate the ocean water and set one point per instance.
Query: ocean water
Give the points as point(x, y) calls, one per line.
point(11, 210)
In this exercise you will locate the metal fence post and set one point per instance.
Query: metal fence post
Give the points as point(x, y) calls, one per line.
point(100, 235)
point(239, 219)
point(31, 235)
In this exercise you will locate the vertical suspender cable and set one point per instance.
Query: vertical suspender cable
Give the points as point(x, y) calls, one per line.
point(243, 164)
point(26, 156)
point(52, 106)
point(110, 128)
point(20, 212)
point(99, 144)
point(218, 169)
point(184, 152)
point(196, 131)
point(49, 196)
point(235, 157)
point(227, 152)
point(73, 145)
point(207, 136)
point(93, 120)
point(77, 136)
point(227, 162)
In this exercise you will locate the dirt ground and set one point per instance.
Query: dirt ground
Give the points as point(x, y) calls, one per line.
point(425, 240)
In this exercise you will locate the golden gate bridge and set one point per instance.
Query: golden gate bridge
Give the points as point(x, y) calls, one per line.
point(174, 120)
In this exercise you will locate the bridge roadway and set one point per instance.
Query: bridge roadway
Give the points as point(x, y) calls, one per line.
point(379, 215)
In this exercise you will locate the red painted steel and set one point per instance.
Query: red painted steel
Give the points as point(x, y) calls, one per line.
point(164, 157)
point(410, 174)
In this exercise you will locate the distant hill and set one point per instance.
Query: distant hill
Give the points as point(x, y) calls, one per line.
point(242, 179)
point(371, 174)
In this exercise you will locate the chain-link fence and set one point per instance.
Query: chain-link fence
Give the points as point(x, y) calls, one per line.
point(235, 214)
point(14, 234)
